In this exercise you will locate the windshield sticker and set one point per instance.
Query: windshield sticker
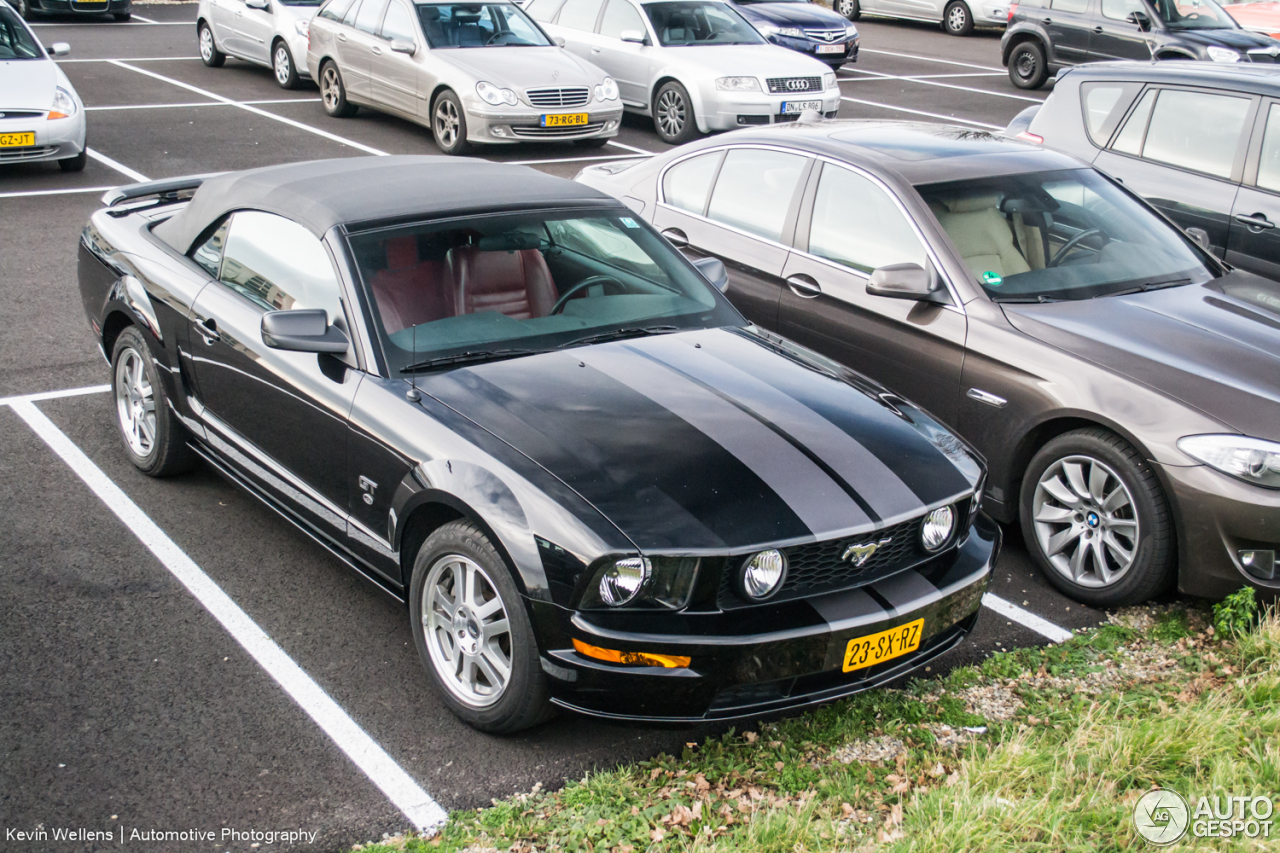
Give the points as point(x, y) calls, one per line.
point(992, 278)
point(628, 221)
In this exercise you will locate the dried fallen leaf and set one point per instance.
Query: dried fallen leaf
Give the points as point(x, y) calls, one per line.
point(846, 810)
point(697, 810)
point(657, 835)
point(602, 822)
point(953, 778)
point(871, 778)
point(888, 837)
point(778, 765)
point(750, 737)
point(937, 771)
point(895, 816)
point(655, 773)
point(635, 811)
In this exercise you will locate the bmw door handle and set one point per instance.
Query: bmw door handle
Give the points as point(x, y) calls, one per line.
point(804, 286)
point(377, 51)
point(342, 36)
point(1255, 221)
point(208, 330)
point(595, 50)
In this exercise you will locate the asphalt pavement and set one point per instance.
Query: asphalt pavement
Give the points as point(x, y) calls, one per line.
point(126, 701)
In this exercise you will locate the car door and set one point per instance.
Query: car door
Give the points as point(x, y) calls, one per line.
point(1253, 242)
point(852, 224)
point(355, 46)
point(277, 419)
point(1116, 35)
point(1183, 150)
point(1069, 24)
point(222, 20)
point(627, 62)
point(740, 206)
point(393, 76)
point(577, 22)
point(255, 29)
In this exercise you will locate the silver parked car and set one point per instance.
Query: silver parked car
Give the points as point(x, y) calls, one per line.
point(41, 116)
point(957, 17)
point(693, 65)
point(472, 72)
point(266, 32)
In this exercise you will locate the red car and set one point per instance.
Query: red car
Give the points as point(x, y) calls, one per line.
point(1262, 17)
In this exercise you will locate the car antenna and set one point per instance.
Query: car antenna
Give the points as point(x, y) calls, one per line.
point(412, 394)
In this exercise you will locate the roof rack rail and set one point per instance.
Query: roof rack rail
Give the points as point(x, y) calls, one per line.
point(167, 189)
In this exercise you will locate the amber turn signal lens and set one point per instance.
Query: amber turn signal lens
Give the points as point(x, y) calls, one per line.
point(53, 114)
point(631, 658)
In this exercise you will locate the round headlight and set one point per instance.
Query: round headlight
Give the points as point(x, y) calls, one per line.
point(489, 92)
point(762, 575)
point(622, 581)
point(937, 528)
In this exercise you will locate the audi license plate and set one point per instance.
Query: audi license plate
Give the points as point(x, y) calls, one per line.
point(791, 108)
point(878, 648)
point(830, 48)
point(564, 120)
point(17, 140)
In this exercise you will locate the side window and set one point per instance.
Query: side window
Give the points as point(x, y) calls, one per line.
point(1269, 162)
point(209, 253)
point(620, 16)
point(1196, 131)
point(398, 24)
point(1077, 6)
point(857, 224)
point(543, 10)
point(335, 9)
point(1119, 10)
point(755, 189)
point(1130, 139)
point(1103, 104)
point(350, 17)
point(580, 15)
point(279, 265)
point(687, 184)
point(370, 15)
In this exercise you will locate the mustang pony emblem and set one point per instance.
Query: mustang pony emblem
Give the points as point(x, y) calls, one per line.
point(860, 552)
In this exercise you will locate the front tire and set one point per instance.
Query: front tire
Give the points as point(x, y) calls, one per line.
point(1096, 521)
point(957, 20)
point(593, 142)
point(473, 632)
point(154, 438)
point(209, 53)
point(333, 94)
point(76, 163)
point(122, 17)
point(24, 9)
point(282, 66)
point(673, 114)
point(449, 124)
point(850, 9)
point(1027, 67)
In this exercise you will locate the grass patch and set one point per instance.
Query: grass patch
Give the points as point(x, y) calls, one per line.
point(1042, 749)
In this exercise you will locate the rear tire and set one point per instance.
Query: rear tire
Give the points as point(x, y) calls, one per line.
point(209, 53)
point(333, 94)
point(76, 163)
point(286, 73)
point(1027, 67)
point(957, 19)
point(850, 9)
point(469, 622)
point(673, 117)
point(154, 438)
point(449, 124)
point(24, 10)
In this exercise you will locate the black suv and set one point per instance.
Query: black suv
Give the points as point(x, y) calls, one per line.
point(1046, 35)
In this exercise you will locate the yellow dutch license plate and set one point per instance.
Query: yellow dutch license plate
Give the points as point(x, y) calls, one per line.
point(564, 120)
point(17, 140)
point(887, 645)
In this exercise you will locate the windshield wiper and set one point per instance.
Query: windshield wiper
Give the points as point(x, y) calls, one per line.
point(618, 335)
point(1025, 299)
point(468, 357)
point(1150, 285)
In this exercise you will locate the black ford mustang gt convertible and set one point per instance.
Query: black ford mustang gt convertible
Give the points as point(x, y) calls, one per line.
point(507, 401)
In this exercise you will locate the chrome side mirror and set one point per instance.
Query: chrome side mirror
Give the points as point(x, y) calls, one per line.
point(404, 46)
point(713, 270)
point(1199, 236)
point(904, 281)
point(559, 40)
point(60, 48)
point(633, 36)
point(261, 5)
point(304, 330)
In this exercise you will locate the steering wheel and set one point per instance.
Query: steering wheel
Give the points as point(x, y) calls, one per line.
point(582, 285)
point(493, 38)
point(713, 35)
point(1071, 244)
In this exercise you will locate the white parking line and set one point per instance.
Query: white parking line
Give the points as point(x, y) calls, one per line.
point(923, 82)
point(145, 20)
point(1026, 618)
point(930, 59)
point(922, 113)
point(69, 191)
point(119, 167)
point(135, 59)
point(55, 395)
point(203, 104)
point(139, 23)
point(399, 787)
point(632, 148)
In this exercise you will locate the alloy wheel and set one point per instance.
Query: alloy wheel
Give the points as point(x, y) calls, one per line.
point(206, 44)
point(671, 113)
point(957, 18)
point(447, 123)
point(1086, 522)
point(135, 403)
point(283, 65)
point(467, 632)
point(330, 88)
point(844, 7)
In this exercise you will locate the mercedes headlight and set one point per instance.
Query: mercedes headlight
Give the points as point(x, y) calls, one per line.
point(665, 582)
point(64, 106)
point(738, 84)
point(491, 94)
point(937, 528)
point(607, 90)
point(1223, 54)
point(761, 576)
point(303, 28)
point(1253, 460)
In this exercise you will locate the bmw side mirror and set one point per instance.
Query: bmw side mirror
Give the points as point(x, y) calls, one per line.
point(403, 46)
point(904, 281)
point(559, 40)
point(302, 331)
point(60, 48)
point(1200, 236)
point(713, 270)
point(633, 36)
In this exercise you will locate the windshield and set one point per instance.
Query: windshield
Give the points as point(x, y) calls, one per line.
point(517, 283)
point(695, 22)
point(1067, 234)
point(15, 39)
point(1193, 15)
point(300, 2)
point(478, 25)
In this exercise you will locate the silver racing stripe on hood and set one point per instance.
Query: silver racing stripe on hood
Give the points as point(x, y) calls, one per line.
point(817, 500)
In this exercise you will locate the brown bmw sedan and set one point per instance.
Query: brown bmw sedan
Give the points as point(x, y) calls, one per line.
point(1123, 383)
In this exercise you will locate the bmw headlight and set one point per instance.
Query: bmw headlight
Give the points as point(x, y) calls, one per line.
point(303, 28)
point(64, 106)
point(738, 84)
point(1223, 54)
point(761, 576)
point(937, 528)
point(607, 90)
point(829, 81)
point(491, 94)
point(1253, 460)
point(665, 582)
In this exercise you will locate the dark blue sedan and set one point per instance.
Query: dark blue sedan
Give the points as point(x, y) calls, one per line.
point(802, 26)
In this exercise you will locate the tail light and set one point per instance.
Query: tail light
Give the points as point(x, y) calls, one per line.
point(1013, 10)
point(1031, 137)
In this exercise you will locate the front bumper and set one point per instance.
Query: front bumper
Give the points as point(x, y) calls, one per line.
point(809, 47)
point(727, 110)
point(522, 124)
point(83, 7)
point(768, 658)
point(55, 140)
point(991, 14)
point(1217, 517)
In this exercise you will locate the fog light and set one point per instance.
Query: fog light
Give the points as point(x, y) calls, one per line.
point(1260, 564)
point(937, 528)
point(762, 575)
point(622, 581)
point(610, 125)
point(632, 658)
point(499, 130)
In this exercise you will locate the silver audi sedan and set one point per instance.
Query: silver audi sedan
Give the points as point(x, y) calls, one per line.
point(695, 66)
point(472, 72)
point(265, 32)
point(41, 116)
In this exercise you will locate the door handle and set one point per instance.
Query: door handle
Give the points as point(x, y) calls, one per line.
point(676, 237)
point(342, 36)
point(595, 50)
point(1255, 221)
point(208, 330)
point(1098, 30)
point(377, 51)
point(1047, 21)
point(804, 286)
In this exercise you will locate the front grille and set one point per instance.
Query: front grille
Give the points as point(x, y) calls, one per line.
point(1264, 54)
point(574, 96)
point(534, 132)
point(791, 85)
point(828, 36)
point(89, 5)
point(21, 114)
point(11, 154)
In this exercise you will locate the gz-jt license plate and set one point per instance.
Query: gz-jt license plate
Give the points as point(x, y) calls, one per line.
point(17, 140)
point(564, 120)
point(878, 648)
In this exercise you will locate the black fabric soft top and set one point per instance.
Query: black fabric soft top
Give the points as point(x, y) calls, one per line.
point(320, 194)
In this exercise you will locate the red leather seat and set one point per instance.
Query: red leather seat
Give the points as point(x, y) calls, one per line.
point(517, 284)
point(410, 292)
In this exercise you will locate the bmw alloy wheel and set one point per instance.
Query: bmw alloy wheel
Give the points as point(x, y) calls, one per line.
point(1085, 520)
point(447, 123)
point(283, 64)
point(135, 404)
point(467, 633)
point(671, 113)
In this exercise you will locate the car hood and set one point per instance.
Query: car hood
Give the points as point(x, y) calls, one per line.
point(710, 440)
point(750, 60)
point(1215, 347)
point(523, 68)
point(27, 84)
point(793, 15)
point(1241, 40)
